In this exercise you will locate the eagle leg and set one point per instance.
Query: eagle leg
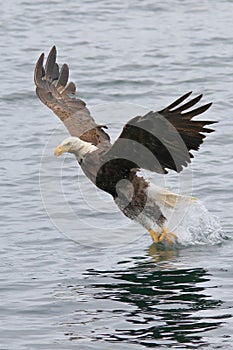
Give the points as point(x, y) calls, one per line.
point(165, 234)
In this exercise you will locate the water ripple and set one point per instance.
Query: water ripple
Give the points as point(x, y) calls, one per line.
point(57, 294)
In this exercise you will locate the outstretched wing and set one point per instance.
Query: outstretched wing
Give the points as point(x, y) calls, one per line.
point(54, 91)
point(162, 140)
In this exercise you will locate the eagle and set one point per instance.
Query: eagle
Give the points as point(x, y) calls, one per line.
point(157, 141)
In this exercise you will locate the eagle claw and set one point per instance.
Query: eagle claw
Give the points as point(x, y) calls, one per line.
point(164, 235)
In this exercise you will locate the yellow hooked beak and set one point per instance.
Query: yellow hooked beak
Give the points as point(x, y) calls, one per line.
point(60, 150)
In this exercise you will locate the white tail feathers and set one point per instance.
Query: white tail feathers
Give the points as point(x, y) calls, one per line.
point(166, 198)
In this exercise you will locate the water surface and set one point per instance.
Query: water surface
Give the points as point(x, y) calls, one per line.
point(56, 293)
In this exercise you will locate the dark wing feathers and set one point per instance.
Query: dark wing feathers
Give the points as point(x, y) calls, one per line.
point(69, 89)
point(53, 91)
point(39, 72)
point(49, 65)
point(156, 141)
point(163, 140)
point(55, 73)
point(177, 102)
point(63, 77)
point(186, 105)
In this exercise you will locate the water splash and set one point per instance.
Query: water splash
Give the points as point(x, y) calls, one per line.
point(194, 224)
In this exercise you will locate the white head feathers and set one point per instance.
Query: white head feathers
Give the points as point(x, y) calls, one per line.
point(75, 145)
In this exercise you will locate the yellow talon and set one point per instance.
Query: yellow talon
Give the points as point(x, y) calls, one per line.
point(164, 235)
point(154, 235)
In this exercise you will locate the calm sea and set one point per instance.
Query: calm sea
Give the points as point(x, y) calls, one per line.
point(91, 279)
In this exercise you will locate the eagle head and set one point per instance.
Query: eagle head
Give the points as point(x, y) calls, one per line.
point(76, 146)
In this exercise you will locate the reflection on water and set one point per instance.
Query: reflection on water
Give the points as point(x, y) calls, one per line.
point(160, 305)
point(162, 255)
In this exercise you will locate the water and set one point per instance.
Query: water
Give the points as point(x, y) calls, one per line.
point(59, 294)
